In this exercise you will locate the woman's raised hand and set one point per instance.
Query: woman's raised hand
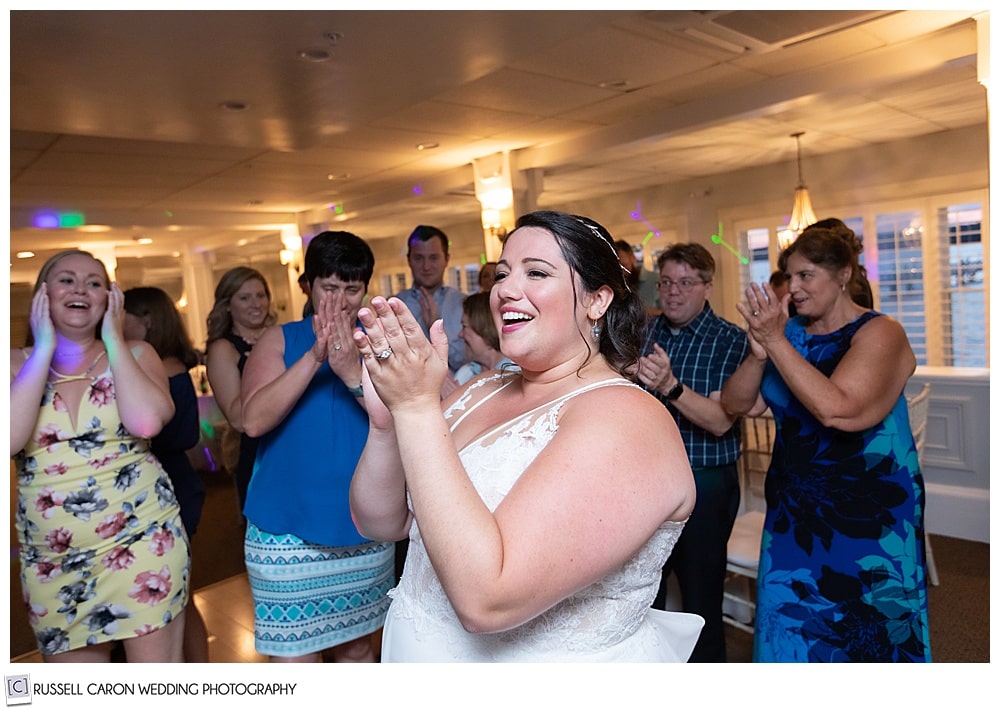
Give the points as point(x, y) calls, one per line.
point(404, 367)
point(42, 329)
point(765, 314)
point(113, 325)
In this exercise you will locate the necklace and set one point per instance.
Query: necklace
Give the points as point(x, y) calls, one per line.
point(60, 377)
point(254, 335)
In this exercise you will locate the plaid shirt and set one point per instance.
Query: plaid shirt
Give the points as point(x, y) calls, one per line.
point(703, 355)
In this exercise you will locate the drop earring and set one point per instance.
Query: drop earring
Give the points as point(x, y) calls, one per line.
point(595, 332)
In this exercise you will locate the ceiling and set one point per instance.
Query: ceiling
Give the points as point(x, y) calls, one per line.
point(216, 127)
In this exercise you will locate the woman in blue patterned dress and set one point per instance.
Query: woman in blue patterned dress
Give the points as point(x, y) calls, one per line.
point(842, 563)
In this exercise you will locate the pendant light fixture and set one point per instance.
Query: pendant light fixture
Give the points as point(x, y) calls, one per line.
point(802, 211)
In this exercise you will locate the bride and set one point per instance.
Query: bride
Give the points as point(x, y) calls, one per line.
point(542, 504)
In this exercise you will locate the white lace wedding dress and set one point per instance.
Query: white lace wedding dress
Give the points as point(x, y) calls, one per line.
point(610, 620)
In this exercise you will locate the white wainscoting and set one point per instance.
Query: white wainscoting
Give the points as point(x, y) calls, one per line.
point(957, 451)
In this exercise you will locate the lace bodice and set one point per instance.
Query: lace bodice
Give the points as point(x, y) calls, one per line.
point(597, 620)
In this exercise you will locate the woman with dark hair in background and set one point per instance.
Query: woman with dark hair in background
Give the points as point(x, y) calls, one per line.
point(241, 313)
point(540, 505)
point(150, 315)
point(104, 555)
point(842, 573)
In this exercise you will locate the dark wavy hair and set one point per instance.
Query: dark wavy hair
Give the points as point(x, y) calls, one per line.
point(166, 331)
point(589, 249)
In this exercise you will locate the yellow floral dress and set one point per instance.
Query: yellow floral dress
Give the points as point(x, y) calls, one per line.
point(104, 554)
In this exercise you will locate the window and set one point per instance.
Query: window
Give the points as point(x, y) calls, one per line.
point(900, 275)
point(963, 294)
point(471, 284)
point(756, 242)
point(927, 268)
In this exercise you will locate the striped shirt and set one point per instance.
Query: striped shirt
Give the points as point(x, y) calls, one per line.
point(449, 303)
point(703, 355)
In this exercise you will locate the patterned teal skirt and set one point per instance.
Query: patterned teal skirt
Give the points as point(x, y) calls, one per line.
point(308, 597)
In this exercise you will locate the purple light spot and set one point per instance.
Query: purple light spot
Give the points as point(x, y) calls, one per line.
point(46, 220)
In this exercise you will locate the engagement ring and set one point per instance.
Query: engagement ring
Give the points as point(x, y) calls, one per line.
point(755, 314)
point(337, 346)
point(384, 354)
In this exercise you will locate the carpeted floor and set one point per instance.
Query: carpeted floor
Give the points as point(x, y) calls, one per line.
point(959, 607)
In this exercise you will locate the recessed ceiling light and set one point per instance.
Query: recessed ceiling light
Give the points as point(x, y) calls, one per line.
point(342, 176)
point(314, 55)
point(234, 106)
point(143, 240)
point(25, 254)
point(617, 84)
point(427, 146)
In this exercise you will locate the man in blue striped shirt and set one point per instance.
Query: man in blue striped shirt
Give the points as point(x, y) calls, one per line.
point(429, 298)
point(689, 352)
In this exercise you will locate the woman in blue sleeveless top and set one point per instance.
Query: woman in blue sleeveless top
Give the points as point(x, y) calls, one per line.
point(317, 583)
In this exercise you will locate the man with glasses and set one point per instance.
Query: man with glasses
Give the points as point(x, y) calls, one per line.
point(689, 352)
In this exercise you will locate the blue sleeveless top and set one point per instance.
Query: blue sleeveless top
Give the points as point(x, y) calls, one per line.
point(304, 465)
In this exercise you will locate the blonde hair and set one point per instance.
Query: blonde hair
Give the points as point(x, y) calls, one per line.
point(43, 275)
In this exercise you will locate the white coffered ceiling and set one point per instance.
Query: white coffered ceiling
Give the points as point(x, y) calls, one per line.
point(119, 115)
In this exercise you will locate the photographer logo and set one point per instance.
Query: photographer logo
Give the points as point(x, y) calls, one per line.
point(18, 689)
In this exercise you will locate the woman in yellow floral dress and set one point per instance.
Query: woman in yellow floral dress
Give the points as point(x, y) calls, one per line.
point(104, 555)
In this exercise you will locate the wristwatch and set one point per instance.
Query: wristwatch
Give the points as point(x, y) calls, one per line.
point(675, 391)
point(356, 391)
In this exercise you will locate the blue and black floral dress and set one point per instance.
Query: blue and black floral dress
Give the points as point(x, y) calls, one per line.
point(842, 573)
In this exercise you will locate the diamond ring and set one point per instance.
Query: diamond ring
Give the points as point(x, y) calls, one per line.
point(755, 314)
point(384, 354)
point(337, 346)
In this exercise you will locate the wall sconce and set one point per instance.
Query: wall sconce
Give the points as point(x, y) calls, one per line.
point(492, 223)
point(495, 192)
point(291, 254)
point(802, 211)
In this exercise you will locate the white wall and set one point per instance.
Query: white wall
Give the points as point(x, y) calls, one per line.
point(956, 463)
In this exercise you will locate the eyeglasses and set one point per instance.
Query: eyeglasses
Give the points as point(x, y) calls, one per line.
point(684, 285)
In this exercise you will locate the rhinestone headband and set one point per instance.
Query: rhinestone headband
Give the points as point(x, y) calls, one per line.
point(597, 233)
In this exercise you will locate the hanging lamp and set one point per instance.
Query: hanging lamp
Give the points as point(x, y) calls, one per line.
point(802, 211)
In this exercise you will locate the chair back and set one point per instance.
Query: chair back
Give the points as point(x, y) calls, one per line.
point(917, 406)
point(755, 458)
